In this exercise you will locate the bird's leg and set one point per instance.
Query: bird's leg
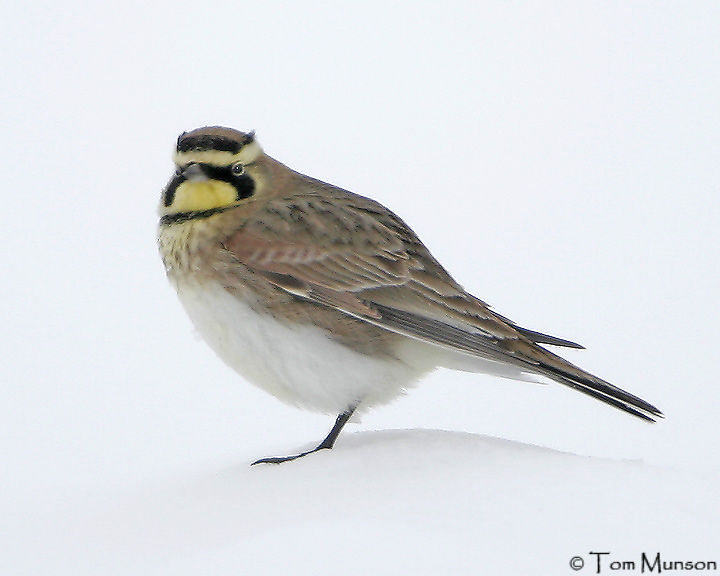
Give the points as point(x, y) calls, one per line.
point(328, 443)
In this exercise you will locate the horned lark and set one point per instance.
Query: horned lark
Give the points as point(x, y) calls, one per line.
point(327, 299)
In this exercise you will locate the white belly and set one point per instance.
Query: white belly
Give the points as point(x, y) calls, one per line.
point(298, 364)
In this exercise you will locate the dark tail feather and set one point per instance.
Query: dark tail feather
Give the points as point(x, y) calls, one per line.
point(605, 392)
point(524, 353)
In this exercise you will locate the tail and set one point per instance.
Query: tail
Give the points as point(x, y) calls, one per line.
point(564, 372)
point(512, 353)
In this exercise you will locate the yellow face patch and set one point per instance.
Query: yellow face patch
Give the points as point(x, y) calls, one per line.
point(194, 196)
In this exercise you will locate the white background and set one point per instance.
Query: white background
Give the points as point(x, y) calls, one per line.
point(559, 158)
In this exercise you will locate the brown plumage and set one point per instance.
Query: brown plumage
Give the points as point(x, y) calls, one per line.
point(304, 252)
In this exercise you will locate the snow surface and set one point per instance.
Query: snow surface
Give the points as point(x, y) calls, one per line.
point(388, 502)
point(560, 159)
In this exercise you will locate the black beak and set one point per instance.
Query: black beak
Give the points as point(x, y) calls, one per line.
point(194, 171)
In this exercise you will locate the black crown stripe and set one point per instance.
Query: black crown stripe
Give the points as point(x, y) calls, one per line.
point(213, 142)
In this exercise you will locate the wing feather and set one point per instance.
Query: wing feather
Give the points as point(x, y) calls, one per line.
point(353, 255)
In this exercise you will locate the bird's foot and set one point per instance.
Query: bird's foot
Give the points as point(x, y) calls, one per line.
point(281, 459)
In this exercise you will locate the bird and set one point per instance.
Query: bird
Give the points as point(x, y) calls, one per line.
point(326, 299)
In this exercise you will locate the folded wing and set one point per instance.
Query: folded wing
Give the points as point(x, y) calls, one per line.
point(351, 254)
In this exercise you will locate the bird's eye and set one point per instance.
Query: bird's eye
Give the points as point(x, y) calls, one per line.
point(237, 169)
